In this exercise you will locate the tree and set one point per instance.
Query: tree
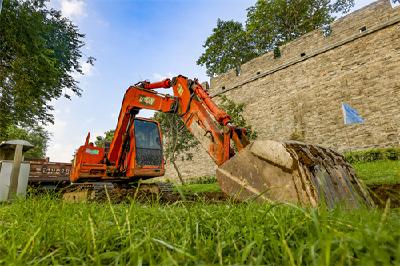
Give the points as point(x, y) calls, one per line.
point(108, 136)
point(227, 48)
point(235, 111)
point(178, 141)
point(36, 136)
point(39, 52)
point(271, 23)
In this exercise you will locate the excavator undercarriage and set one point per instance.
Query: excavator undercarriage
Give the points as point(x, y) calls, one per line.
point(116, 192)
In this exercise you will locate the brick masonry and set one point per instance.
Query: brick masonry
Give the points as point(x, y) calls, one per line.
point(299, 95)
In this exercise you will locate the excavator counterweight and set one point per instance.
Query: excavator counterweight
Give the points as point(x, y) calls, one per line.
point(291, 172)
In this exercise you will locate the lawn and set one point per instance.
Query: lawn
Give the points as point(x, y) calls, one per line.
point(199, 188)
point(378, 172)
point(45, 230)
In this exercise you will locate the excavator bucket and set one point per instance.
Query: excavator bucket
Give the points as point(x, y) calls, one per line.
point(292, 172)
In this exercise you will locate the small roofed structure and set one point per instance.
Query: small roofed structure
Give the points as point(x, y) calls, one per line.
point(14, 172)
point(8, 148)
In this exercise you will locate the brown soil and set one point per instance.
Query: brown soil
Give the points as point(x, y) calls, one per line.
point(123, 195)
point(208, 197)
point(381, 193)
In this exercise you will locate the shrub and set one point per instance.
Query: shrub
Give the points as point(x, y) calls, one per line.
point(203, 180)
point(372, 155)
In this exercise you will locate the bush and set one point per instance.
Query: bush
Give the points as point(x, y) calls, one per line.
point(372, 155)
point(202, 180)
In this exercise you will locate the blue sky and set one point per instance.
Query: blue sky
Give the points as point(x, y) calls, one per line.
point(132, 41)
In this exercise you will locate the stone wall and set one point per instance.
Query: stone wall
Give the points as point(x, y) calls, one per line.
point(299, 95)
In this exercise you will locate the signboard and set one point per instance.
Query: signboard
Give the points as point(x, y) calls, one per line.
point(43, 171)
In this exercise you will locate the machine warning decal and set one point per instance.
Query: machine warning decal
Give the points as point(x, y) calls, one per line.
point(90, 151)
point(146, 100)
point(180, 90)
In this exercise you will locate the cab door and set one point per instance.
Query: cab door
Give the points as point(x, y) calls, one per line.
point(148, 157)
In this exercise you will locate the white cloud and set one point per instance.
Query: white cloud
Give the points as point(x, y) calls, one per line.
point(87, 69)
point(103, 23)
point(89, 120)
point(114, 116)
point(73, 8)
point(159, 77)
point(59, 149)
point(58, 127)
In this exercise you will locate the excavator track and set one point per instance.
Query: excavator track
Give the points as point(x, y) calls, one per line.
point(160, 192)
point(115, 192)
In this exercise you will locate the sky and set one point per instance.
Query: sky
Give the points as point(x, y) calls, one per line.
point(132, 40)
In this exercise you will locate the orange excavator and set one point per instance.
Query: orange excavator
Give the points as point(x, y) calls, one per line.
point(292, 172)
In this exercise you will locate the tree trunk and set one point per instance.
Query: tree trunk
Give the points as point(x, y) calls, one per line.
point(178, 172)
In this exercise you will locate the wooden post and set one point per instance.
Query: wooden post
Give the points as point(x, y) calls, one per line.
point(15, 172)
point(347, 137)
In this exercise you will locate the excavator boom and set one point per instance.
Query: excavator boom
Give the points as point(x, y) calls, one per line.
point(204, 119)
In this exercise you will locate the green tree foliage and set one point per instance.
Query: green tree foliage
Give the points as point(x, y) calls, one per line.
point(235, 111)
point(270, 23)
point(36, 136)
point(178, 141)
point(228, 47)
point(108, 136)
point(39, 52)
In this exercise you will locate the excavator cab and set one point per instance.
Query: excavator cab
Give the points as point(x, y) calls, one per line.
point(148, 152)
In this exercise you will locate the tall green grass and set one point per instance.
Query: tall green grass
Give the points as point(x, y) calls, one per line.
point(45, 230)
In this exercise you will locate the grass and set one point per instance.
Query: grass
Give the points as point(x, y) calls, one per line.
point(45, 230)
point(378, 172)
point(198, 188)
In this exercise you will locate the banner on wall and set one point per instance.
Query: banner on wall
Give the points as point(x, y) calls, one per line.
point(351, 115)
point(395, 3)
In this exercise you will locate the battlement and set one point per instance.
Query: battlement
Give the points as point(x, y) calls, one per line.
point(358, 24)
